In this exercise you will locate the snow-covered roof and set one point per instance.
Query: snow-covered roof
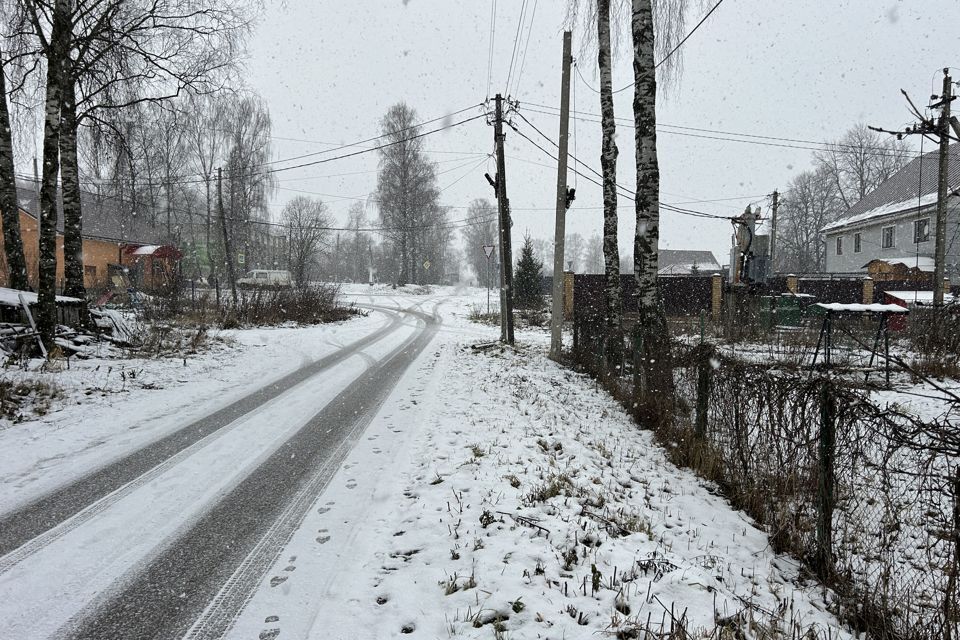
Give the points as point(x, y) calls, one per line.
point(862, 308)
point(146, 250)
point(913, 187)
point(11, 297)
point(683, 261)
point(921, 263)
point(921, 297)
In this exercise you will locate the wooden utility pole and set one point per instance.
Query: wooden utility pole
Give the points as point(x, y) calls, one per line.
point(556, 315)
point(506, 253)
point(773, 229)
point(943, 127)
point(226, 236)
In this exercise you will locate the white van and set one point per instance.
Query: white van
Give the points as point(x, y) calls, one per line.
point(266, 279)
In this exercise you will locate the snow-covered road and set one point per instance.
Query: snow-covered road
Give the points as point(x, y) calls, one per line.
point(393, 481)
point(195, 502)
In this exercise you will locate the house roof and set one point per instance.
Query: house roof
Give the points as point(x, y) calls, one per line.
point(103, 218)
point(921, 263)
point(682, 261)
point(915, 185)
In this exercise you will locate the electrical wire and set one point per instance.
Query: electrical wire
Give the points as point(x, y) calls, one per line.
point(526, 48)
point(756, 139)
point(678, 45)
point(277, 170)
point(379, 137)
point(662, 60)
point(493, 33)
point(622, 190)
point(516, 44)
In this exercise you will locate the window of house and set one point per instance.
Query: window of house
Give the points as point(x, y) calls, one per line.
point(921, 230)
point(856, 243)
point(90, 271)
point(840, 246)
point(887, 237)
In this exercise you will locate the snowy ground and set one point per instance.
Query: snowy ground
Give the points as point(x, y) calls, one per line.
point(497, 493)
point(494, 494)
point(108, 406)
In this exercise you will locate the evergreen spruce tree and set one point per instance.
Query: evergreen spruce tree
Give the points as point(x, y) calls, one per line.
point(526, 282)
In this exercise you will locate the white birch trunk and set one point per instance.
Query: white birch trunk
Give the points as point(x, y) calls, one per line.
point(608, 163)
point(651, 337)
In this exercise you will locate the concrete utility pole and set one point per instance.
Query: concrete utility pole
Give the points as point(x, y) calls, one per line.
point(556, 312)
point(506, 253)
point(226, 236)
point(941, 238)
point(773, 229)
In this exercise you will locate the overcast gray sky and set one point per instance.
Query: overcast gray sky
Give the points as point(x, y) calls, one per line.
point(804, 70)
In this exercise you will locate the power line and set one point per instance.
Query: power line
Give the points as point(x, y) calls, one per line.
point(383, 135)
point(493, 33)
point(526, 48)
point(752, 138)
point(679, 44)
point(314, 162)
point(516, 43)
point(622, 190)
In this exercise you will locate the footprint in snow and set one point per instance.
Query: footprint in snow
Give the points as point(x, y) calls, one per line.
point(269, 634)
point(277, 580)
point(351, 484)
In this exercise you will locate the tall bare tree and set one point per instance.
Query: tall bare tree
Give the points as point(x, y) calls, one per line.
point(407, 194)
point(112, 54)
point(861, 160)
point(309, 226)
point(811, 201)
point(480, 233)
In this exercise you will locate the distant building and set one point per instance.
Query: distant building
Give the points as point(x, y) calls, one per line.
point(680, 262)
point(890, 232)
point(110, 246)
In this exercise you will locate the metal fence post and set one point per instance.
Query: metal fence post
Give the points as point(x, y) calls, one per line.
point(826, 491)
point(950, 604)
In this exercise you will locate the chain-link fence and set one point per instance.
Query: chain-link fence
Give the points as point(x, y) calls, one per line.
point(866, 496)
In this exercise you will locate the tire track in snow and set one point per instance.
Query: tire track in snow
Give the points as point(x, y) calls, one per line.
point(30, 528)
point(223, 556)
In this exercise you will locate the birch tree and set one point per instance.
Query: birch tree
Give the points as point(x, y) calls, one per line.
point(9, 208)
point(598, 12)
point(57, 48)
point(407, 194)
point(653, 369)
point(613, 317)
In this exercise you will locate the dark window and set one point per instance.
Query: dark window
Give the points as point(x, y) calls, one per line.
point(840, 246)
point(888, 237)
point(856, 243)
point(921, 230)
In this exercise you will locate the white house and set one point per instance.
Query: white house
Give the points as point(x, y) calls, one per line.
point(896, 222)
